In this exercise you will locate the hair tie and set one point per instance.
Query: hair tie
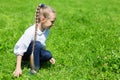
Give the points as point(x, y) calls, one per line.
point(42, 5)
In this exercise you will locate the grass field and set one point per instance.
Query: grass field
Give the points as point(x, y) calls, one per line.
point(85, 40)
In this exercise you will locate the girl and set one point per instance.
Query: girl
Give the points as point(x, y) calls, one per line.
point(32, 43)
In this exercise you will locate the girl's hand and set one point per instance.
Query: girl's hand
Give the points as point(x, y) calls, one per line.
point(52, 61)
point(17, 72)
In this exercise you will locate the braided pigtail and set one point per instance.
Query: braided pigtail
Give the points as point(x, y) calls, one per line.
point(37, 21)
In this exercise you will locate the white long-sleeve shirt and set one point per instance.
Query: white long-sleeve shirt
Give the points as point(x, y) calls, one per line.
point(23, 43)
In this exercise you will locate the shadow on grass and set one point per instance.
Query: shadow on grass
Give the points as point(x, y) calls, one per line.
point(26, 64)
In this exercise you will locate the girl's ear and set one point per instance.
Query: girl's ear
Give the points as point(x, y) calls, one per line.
point(42, 19)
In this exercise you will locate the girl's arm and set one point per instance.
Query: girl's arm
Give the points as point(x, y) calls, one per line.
point(18, 70)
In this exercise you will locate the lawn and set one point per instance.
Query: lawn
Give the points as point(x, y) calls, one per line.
point(85, 40)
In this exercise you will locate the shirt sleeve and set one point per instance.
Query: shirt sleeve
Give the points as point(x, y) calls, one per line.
point(23, 43)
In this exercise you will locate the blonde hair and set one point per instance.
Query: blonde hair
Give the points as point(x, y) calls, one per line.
point(42, 10)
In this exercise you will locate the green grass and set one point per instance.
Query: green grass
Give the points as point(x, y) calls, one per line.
point(85, 40)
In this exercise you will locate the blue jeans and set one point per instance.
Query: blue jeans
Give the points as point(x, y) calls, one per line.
point(40, 54)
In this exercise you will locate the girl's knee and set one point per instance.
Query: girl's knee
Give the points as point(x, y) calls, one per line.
point(48, 53)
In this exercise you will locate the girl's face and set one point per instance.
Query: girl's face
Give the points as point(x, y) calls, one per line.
point(48, 22)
